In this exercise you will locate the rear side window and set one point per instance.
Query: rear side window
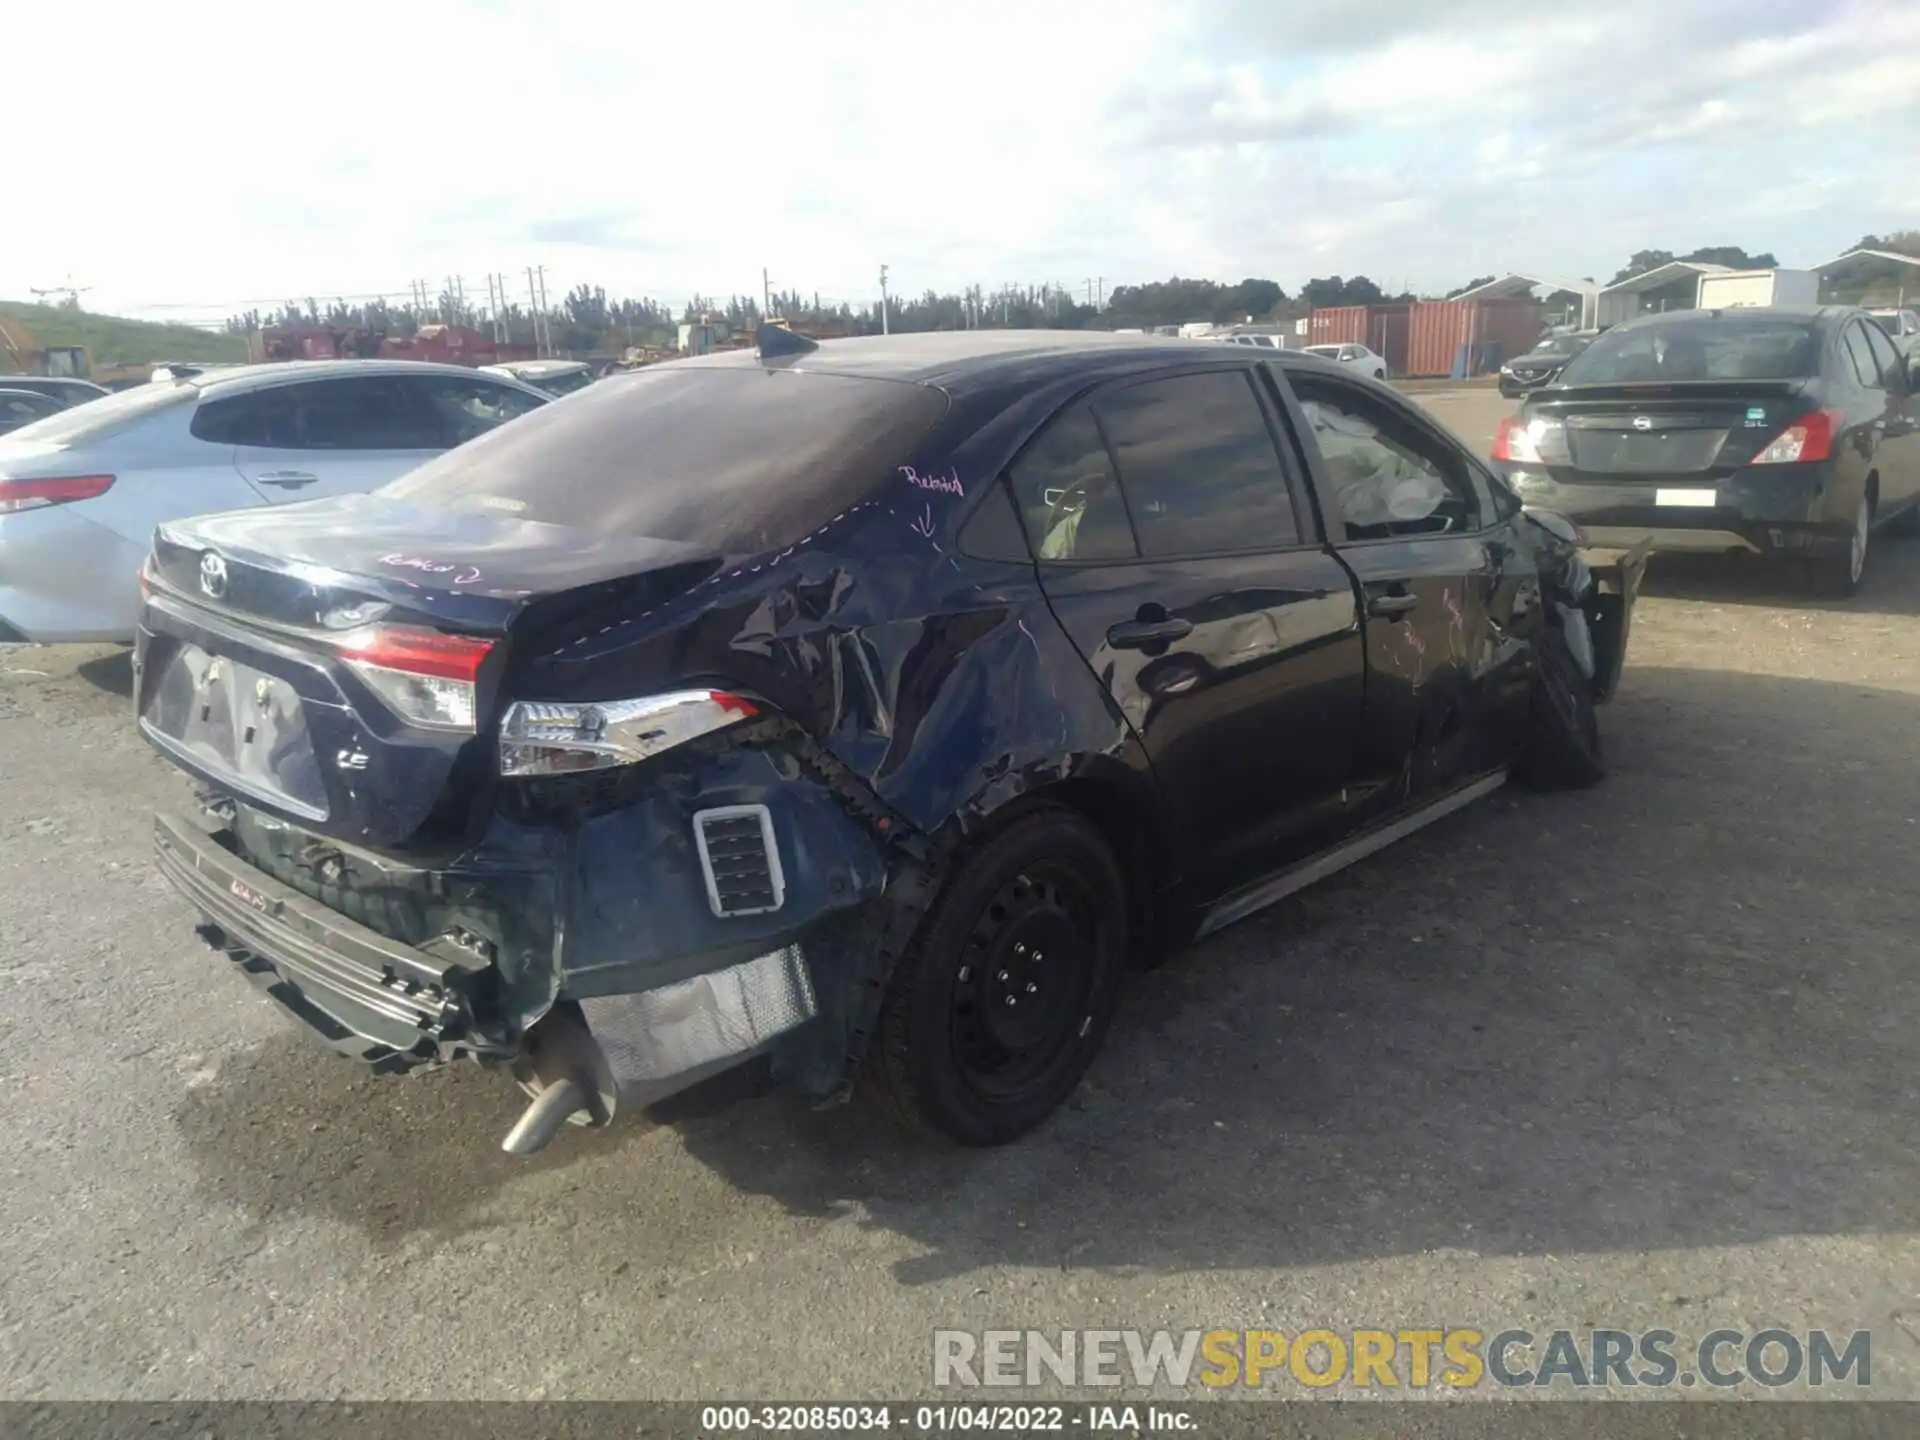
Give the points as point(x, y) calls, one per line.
point(1693, 347)
point(1067, 494)
point(737, 459)
point(371, 412)
point(1866, 369)
point(1885, 356)
point(1198, 465)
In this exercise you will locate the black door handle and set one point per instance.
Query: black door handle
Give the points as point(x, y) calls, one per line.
point(1390, 607)
point(1138, 634)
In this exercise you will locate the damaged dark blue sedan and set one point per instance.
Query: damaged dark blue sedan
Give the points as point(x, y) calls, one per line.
point(856, 709)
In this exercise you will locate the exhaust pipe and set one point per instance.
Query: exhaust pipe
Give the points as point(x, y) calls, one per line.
point(567, 1074)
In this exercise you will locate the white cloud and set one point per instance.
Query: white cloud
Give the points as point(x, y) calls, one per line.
point(272, 151)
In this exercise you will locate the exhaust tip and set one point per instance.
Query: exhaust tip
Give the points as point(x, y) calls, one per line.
point(544, 1116)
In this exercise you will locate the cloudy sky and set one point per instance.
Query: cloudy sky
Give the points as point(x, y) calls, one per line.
point(274, 150)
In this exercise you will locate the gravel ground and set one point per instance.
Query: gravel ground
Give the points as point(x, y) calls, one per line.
point(1640, 1057)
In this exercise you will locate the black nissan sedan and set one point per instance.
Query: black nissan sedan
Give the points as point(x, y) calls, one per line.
point(1539, 365)
point(861, 708)
point(1773, 432)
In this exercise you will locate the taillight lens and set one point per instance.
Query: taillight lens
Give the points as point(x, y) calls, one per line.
point(426, 678)
point(58, 490)
point(544, 737)
point(1808, 438)
point(1538, 441)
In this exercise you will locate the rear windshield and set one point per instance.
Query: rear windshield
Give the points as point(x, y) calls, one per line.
point(93, 418)
point(736, 460)
point(1695, 347)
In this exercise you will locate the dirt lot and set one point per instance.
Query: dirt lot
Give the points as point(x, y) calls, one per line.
point(1641, 1058)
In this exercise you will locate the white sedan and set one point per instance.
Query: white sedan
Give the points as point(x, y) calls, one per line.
point(1354, 357)
point(81, 491)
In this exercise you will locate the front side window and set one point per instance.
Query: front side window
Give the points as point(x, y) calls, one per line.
point(1198, 465)
point(1068, 497)
point(1389, 477)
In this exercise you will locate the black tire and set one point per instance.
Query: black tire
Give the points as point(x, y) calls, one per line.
point(1562, 747)
point(1839, 576)
point(952, 1056)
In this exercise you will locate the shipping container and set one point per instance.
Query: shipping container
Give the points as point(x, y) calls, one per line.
point(1340, 325)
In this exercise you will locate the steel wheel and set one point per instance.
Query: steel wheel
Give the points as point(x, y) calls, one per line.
point(1003, 999)
point(1020, 997)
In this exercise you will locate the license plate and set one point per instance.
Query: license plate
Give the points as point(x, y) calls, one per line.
point(1686, 497)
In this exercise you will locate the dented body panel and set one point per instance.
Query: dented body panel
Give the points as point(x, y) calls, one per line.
point(912, 673)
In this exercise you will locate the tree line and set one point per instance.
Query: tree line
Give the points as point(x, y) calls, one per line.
point(588, 321)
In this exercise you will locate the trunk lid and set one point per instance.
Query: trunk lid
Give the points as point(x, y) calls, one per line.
point(1647, 433)
point(269, 639)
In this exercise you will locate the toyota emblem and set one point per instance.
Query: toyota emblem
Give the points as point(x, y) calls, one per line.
point(213, 576)
point(1640, 422)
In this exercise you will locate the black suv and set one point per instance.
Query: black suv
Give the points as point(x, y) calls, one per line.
point(868, 705)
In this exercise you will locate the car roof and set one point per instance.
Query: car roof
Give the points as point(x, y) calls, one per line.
point(963, 361)
point(1808, 314)
point(537, 367)
point(282, 372)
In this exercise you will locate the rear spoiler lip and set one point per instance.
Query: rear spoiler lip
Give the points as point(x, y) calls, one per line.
point(1674, 390)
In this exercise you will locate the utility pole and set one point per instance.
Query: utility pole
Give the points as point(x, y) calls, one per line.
point(546, 320)
point(533, 304)
point(885, 325)
point(766, 295)
point(1100, 298)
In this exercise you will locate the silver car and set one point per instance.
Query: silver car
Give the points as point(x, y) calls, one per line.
point(81, 491)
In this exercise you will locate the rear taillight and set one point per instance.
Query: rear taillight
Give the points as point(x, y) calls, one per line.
point(424, 677)
point(1511, 442)
point(1810, 437)
point(1538, 441)
point(542, 737)
point(59, 490)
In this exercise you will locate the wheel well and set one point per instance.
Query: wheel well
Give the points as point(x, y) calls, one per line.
point(1873, 492)
point(1128, 827)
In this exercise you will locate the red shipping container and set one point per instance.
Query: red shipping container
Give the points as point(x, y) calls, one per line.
point(1340, 325)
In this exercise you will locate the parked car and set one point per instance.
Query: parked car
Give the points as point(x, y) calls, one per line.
point(1772, 432)
point(1902, 326)
point(23, 407)
point(1258, 338)
point(872, 710)
point(81, 491)
point(63, 388)
point(1541, 364)
point(556, 377)
point(1354, 357)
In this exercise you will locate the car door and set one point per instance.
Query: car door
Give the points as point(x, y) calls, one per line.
point(1441, 579)
point(1897, 439)
point(1171, 548)
point(331, 435)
